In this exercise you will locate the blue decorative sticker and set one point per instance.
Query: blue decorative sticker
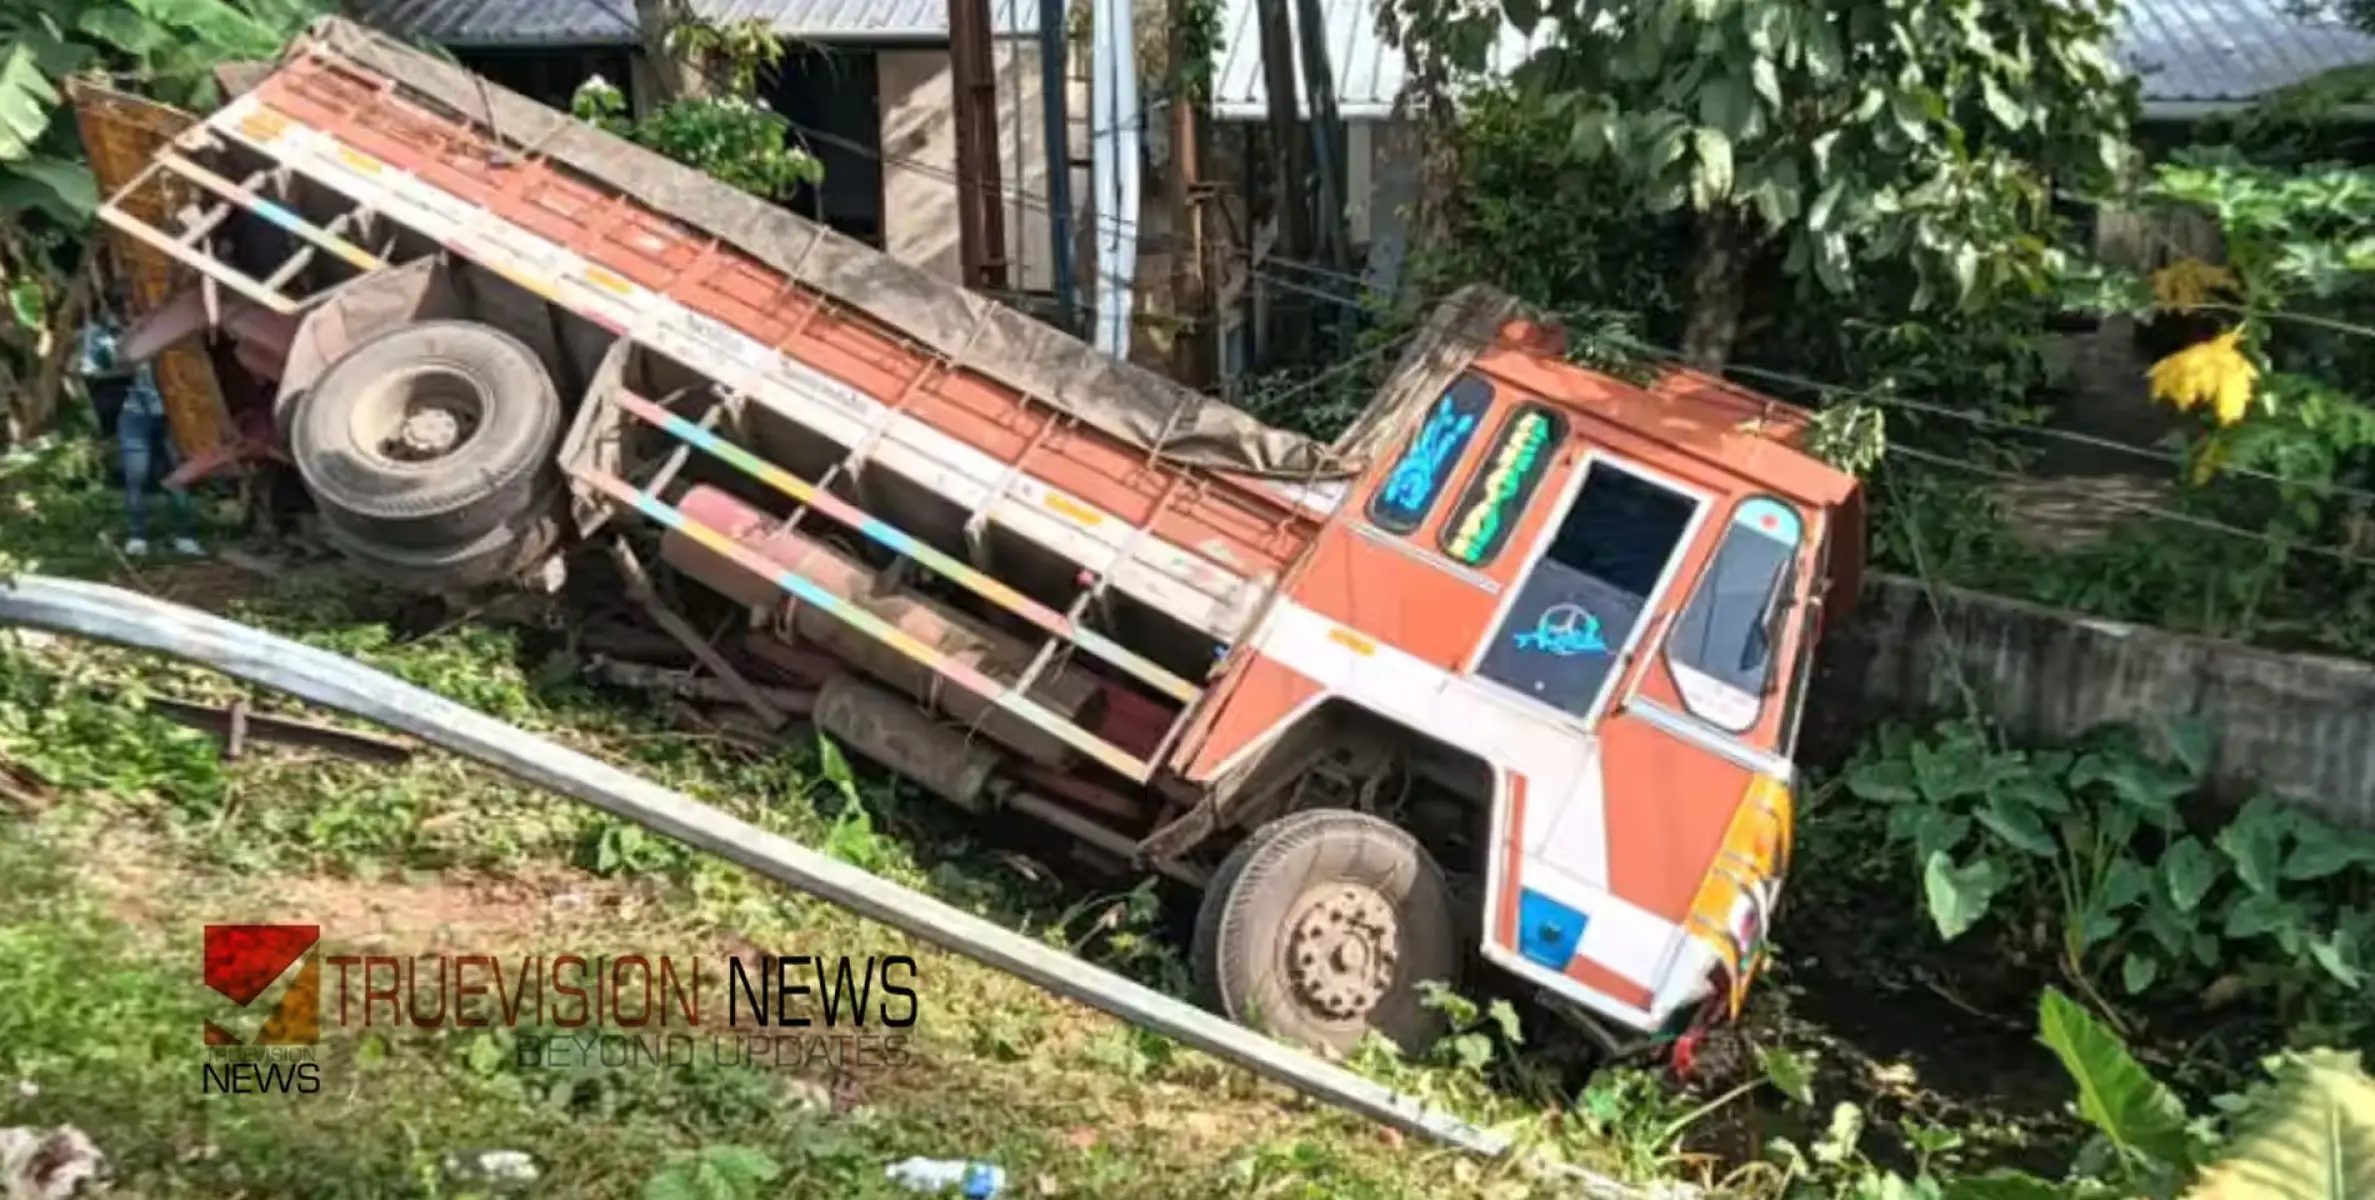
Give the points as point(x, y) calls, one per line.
point(1769, 518)
point(1563, 631)
point(1418, 476)
point(1548, 932)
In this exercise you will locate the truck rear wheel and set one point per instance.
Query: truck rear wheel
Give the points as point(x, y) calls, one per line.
point(429, 436)
point(1322, 925)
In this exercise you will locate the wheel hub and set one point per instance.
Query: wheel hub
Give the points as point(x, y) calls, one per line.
point(429, 432)
point(1341, 952)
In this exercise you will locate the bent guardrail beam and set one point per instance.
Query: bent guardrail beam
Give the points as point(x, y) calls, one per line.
point(128, 618)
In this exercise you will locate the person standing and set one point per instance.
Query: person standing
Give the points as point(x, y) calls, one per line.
point(144, 439)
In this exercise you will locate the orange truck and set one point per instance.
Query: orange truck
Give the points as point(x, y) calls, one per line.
point(1511, 671)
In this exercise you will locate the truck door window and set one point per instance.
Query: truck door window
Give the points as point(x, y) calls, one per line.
point(1577, 609)
point(1513, 466)
point(1409, 490)
point(1722, 647)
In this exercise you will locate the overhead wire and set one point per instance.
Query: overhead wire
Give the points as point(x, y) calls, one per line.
point(1258, 268)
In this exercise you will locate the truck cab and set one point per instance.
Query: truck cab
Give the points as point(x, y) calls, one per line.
point(1592, 603)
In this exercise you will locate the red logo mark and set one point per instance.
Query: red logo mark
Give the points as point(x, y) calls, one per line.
point(244, 961)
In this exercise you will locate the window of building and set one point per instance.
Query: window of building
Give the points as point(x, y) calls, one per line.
point(1402, 501)
point(1503, 485)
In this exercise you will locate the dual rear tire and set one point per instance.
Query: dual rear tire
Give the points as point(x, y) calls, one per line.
point(429, 452)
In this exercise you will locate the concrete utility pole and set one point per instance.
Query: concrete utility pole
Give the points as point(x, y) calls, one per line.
point(1055, 77)
point(1327, 135)
point(1286, 157)
point(981, 218)
point(1192, 344)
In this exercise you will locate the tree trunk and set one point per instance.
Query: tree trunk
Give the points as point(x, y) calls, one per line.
point(1719, 289)
point(667, 75)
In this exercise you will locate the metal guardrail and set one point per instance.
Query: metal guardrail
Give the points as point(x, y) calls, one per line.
point(127, 618)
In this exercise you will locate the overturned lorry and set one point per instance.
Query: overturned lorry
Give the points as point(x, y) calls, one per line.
point(1512, 670)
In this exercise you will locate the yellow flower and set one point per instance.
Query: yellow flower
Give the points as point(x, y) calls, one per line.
point(2215, 373)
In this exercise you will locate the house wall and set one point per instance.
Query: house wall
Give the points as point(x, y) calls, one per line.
point(919, 151)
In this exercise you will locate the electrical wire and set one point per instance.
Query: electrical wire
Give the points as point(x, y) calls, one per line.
point(1257, 269)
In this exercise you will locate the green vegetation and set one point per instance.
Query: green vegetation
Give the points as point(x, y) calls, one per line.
point(2101, 866)
point(164, 49)
point(121, 833)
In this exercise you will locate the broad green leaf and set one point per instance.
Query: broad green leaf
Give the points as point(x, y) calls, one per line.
point(1790, 1073)
point(1766, 80)
point(2001, 106)
point(2190, 870)
point(1883, 781)
point(2333, 955)
point(2018, 825)
point(836, 767)
point(2193, 742)
point(1711, 175)
point(123, 29)
point(213, 25)
point(2261, 914)
point(2125, 883)
point(1726, 105)
point(2004, 1184)
point(2138, 971)
point(1959, 896)
point(2136, 781)
point(2319, 857)
point(26, 305)
point(1965, 263)
point(2254, 841)
point(64, 190)
point(26, 99)
point(2310, 1136)
point(1819, 216)
point(2115, 1094)
point(2038, 791)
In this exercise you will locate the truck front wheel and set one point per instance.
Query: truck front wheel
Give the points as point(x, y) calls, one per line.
point(1322, 925)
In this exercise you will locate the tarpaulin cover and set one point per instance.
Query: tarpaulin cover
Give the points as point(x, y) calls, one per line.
point(1123, 400)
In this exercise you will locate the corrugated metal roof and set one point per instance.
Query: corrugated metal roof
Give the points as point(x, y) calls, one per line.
point(2195, 51)
point(1369, 73)
point(2182, 51)
point(868, 20)
point(493, 24)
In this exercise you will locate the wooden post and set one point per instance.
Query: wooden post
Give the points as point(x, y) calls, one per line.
point(1193, 344)
point(981, 219)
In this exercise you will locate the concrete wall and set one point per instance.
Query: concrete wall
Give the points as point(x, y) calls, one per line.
point(919, 144)
point(2302, 726)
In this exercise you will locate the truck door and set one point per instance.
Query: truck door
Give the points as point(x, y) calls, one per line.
point(1580, 608)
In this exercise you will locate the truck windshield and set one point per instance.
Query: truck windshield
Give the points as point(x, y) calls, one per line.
point(1723, 637)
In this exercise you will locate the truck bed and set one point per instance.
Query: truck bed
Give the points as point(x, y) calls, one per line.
point(1188, 506)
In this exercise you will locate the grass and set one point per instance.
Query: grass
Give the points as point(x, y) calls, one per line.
point(122, 833)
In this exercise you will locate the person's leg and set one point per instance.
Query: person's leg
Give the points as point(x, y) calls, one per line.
point(177, 500)
point(134, 444)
